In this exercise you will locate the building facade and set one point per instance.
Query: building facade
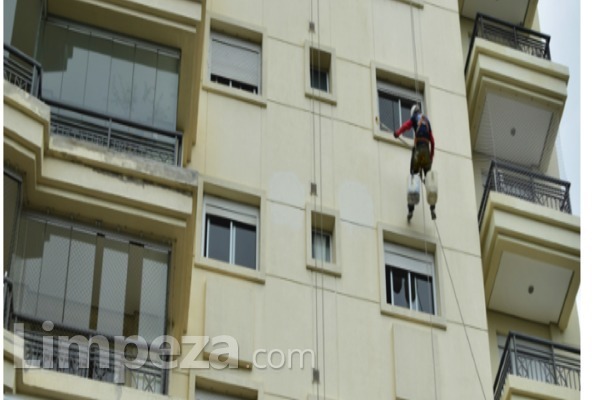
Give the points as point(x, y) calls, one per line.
point(204, 200)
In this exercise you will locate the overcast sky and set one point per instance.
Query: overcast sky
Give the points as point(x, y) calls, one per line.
point(561, 20)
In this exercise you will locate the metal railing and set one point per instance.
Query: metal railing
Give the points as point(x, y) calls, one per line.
point(531, 42)
point(116, 133)
point(21, 70)
point(86, 354)
point(539, 360)
point(525, 184)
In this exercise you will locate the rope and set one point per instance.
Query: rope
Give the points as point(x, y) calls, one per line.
point(462, 320)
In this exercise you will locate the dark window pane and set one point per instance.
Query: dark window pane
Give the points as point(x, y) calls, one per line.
point(389, 117)
point(422, 285)
point(405, 107)
point(245, 245)
point(98, 74)
point(54, 58)
point(319, 79)
point(397, 281)
point(28, 266)
point(217, 238)
point(73, 82)
point(144, 85)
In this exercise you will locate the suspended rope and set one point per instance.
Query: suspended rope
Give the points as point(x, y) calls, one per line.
point(320, 256)
point(462, 320)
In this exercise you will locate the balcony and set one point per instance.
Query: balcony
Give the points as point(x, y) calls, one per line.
point(108, 131)
point(530, 245)
point(84, 353)
point(516, 12)
point(515, 93)
point(532, 368)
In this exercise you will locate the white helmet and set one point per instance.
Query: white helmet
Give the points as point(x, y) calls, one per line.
point(415, 109)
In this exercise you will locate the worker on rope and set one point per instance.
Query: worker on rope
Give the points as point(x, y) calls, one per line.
point(421, 159)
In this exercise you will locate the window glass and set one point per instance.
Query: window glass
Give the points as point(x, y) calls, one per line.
point(112, 287)
point(153, 300)
point(388, 112)
point(54, 57)
point(80, 279)
point(321, 246)
point(110, 74)
point(144, 85)
point(245, 245)
point(12, 201)
point(167, 80)
point(98, 73)
point(218, 238)
point(121, 79)
point(53, 277)
point(28, 278)
point(399, 287)
point(319, 79)
point(73, 81)
point(424, 293)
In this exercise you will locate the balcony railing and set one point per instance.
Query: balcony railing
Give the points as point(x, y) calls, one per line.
point(527, 185)
point(86, 354)
point(22, 70)
point(116, 133)
point(531, 42)
point(539, 360)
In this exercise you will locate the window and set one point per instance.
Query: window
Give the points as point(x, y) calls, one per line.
point(323, 241)
point(110, 73)
point(409, 278)
point(320, 63)
point(235, 62)
point(321, 245)
point(12, 207)
point(231, 232)
point(202, 394)
point(89, 280)
point(394, 103)
point(320, 73)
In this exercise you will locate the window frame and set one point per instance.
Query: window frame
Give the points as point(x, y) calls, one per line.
point(328, 65)
point(405, 259)
point(421, 247)
point(323, 221)
point(234, 212)
point(401, 94)
point(400, 83)
point(243, 32)
point(241, 43)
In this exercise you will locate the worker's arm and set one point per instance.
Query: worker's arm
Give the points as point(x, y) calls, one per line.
point(432, 143)
point(405, 126)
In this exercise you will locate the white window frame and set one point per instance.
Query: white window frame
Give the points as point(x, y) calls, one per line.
point(402, 93)
point(328, 65)
point(412, 261)
point(326, 222)
point(233, 211)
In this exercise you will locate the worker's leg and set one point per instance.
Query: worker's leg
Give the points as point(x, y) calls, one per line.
point(430, 185)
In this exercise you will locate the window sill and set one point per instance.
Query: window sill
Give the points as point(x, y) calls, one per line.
point(434, 321)
point(324, 267)
point(388, 137)
point(231, 270)
point(320, 95)
point(238, 94)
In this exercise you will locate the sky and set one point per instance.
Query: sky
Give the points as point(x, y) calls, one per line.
point(561, 20)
